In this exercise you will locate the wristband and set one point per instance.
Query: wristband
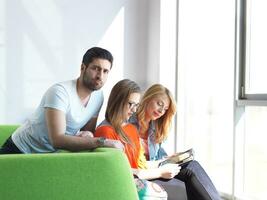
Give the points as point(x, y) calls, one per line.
point(101, 141)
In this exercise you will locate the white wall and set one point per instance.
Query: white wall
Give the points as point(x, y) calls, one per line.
point(42, 42)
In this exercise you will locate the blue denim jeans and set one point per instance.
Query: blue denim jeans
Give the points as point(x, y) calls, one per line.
point(198, 184)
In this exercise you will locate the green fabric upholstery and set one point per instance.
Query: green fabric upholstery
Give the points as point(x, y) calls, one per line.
point(6, 131)
point(99, 175)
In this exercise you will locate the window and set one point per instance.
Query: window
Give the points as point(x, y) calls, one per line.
point(251, 49)
point(251, 110)
point(256, 65)
point(206, 34)
point(255, 152)
point(221, 90)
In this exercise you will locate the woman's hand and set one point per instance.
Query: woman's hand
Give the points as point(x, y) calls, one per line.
point(152, 164)
point(168, 171)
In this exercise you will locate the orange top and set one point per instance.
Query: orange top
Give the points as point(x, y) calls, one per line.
point(135, 152)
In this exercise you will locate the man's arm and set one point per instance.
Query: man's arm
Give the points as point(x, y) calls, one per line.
point(90, 125)
point(56, 124)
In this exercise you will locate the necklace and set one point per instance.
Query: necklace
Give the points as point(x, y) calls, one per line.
point(143, 134)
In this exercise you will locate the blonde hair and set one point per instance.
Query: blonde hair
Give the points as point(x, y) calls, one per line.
point(117, 102)
point(163, 124)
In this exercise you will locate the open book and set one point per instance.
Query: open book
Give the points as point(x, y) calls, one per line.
point(179, 158)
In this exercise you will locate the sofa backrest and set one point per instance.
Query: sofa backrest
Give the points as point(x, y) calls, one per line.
point(6, 131)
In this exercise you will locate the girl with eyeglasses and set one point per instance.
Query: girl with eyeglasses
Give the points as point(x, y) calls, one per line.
point(143, 136)
point(122, 103)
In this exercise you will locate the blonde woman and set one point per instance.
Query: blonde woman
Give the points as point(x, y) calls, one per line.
point(153, 121)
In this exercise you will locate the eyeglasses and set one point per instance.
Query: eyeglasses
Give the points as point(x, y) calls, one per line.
point(133, 105)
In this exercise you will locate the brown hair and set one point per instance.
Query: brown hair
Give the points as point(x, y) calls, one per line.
point(118, 100)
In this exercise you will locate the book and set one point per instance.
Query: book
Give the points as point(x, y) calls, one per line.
point(179, 158)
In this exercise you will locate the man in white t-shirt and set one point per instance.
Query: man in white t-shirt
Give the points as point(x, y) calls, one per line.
point(67, 115)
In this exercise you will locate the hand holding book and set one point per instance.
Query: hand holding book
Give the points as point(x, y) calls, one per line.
point(179, 158)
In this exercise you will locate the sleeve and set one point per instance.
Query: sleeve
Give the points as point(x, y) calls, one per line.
point(106, 131)
point(161, 152)
point(57, 97)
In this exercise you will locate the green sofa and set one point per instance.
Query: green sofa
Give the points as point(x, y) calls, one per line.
point(99, 175)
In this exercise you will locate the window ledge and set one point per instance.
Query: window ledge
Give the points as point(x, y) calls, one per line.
point(251, 102)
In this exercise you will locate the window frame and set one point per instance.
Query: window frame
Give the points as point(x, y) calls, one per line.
point(241, 46)
point(242, 98)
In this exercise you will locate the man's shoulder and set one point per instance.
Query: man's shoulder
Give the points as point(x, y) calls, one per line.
point(58, 96)
point(69, 84)
point(65, 88)
point(62, 85)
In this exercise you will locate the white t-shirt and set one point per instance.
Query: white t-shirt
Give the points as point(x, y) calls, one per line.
point(32, 136)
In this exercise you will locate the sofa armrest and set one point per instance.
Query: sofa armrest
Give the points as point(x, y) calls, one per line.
point(103, 174)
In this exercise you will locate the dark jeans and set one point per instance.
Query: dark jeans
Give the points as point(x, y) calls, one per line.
point(198, 185)
point(9, 147)
point(175, 188)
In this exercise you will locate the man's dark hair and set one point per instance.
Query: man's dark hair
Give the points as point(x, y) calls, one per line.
point(97, 52)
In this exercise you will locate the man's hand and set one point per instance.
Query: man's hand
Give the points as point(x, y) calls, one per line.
point(114, 144)
point(85, 134)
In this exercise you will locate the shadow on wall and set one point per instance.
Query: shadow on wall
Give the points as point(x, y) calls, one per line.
point(44, 43)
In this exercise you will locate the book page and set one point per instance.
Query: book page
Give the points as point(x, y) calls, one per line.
point(180, 158)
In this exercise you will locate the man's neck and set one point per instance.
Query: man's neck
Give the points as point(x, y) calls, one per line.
point(83, 92)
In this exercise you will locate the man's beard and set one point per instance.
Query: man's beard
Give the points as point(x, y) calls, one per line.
point(89, 84)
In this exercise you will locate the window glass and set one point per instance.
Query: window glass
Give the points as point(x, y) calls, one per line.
point(256, 71)
point(255, 153)
point(205, 85)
